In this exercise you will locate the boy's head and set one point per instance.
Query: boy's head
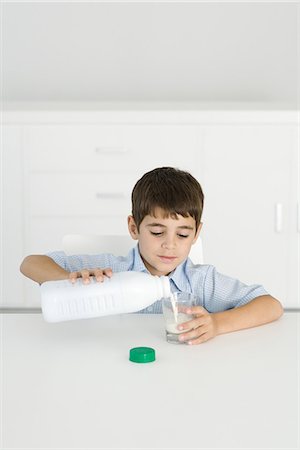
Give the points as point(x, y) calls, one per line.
point(172, 190)
point(167, 205)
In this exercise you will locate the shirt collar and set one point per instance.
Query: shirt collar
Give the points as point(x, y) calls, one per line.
point(178, 276)
point(138, 264)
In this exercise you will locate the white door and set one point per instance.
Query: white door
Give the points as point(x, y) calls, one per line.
point(248, 186)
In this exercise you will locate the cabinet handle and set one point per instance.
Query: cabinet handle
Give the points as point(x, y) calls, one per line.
point(278, 217)
point(110, 150)
point(298, 217)
point(110, 195)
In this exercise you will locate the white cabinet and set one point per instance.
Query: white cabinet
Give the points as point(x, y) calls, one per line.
point(79, 178)
point(109, 148)
point(73, 173)
point(250, 228)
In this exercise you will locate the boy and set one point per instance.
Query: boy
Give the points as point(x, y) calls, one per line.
point(167, 205)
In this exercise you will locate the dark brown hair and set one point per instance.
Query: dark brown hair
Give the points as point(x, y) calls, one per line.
point(173, 190)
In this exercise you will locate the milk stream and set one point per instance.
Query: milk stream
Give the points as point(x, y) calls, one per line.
point(174, 307)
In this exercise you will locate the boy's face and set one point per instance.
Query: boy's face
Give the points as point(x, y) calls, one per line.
point(164, 242)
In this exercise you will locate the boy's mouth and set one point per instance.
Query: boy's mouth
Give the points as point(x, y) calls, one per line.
point(167, 259)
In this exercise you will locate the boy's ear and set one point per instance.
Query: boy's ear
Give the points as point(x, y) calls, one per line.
point(198, 232)
point(132, 228)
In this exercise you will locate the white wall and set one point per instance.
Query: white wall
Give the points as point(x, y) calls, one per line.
point(150, 51)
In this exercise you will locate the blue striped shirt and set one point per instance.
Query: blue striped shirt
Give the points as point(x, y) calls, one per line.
point(215, 291)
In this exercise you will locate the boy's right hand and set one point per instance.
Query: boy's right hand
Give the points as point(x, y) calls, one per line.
point(85, 274)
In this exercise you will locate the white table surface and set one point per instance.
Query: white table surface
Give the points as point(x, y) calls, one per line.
point(71, 386)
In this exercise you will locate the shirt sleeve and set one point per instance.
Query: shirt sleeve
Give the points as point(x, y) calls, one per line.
point(74, 263)
point(222, 292)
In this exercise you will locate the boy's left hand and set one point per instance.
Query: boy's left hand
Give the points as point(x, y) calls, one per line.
point(204, 326)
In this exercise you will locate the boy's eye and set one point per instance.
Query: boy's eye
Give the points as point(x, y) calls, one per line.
point(160, 234)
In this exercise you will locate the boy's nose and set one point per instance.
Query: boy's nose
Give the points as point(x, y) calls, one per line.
point(169, 243)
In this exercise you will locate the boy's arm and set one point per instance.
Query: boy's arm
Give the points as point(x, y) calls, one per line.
point(259, 311)
point(205, 325)
point(41, 268)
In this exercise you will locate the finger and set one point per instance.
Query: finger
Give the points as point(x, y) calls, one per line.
point(108, 272)
point(85, 274)
point(73, 277)
point(200, 340)
point(197, 310)
point(193, 334)
point(194, 323)
point(99, 275)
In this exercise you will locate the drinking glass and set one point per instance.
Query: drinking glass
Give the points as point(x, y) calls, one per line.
point(174, 312)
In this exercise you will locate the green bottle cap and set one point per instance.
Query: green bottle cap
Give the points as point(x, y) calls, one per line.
point(142, 354)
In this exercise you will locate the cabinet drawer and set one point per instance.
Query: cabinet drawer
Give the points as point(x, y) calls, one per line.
point(77, 194)
point(109, 147)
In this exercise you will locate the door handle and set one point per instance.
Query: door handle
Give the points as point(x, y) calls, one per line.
point(278, 217)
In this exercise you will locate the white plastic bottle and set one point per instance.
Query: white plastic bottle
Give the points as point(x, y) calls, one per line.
point(124, 292)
